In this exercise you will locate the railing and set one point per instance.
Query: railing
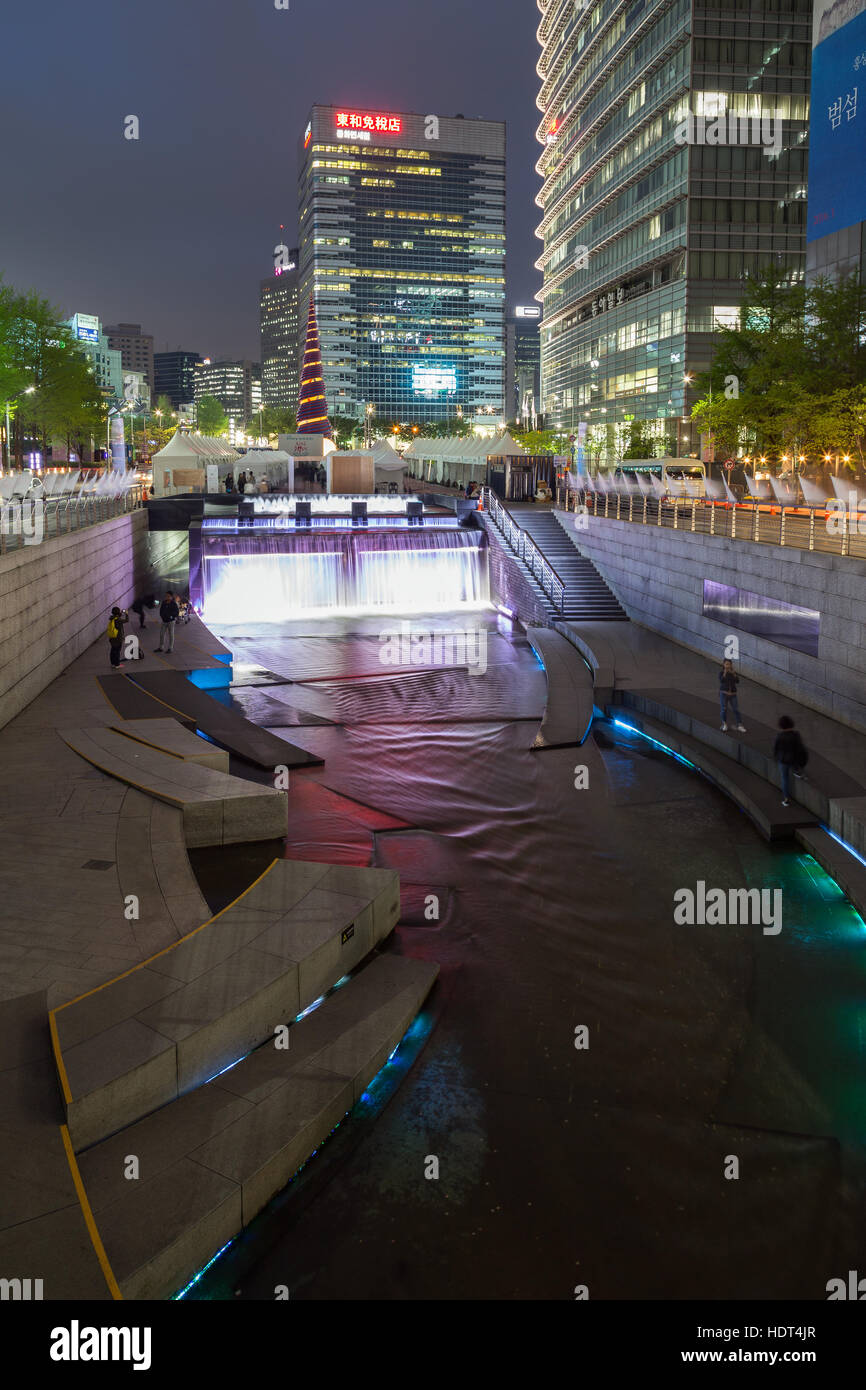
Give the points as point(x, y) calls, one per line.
point(525, 549)
point(833, 531)
point(27, 521)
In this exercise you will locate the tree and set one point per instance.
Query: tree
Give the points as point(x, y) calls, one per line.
point(70, 406)
point(271, 421)
point(211, 417)
point(641, 444)
point(777, 375)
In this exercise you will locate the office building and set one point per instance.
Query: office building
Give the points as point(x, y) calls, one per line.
point(523, 364)
point(135, 348)
point(174, 376)
point(231, 383)
point(106, 362)
point(402, 243)
point(675, 144)
point(836, 235)
point(278, 319)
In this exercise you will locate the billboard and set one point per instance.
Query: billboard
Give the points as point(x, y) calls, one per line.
point(86, 327)
point(432, 381)
point(837, 138)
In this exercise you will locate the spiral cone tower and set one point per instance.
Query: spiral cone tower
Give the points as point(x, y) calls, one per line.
point(313, 405)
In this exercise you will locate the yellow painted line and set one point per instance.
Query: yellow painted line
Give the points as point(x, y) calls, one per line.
point(108, 698)
point(165, 703)
point(122, 777)
point(156, 747)
point(58, 1059)
point(142, 963)
point(92, 1231)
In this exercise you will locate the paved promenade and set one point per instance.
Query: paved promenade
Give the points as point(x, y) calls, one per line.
point(62, 927)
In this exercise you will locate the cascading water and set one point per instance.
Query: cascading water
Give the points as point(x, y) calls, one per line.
point(271, 577)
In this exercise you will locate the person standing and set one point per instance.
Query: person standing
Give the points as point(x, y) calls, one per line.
point(139, 606)
point(168, 616)
point(728, 706)
point(790, 753)
point(230, 483)
point(114, 632)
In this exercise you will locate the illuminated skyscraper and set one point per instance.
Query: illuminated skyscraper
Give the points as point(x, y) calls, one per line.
point(675, 147)
point(279, 321)
point(312, 406)
point(402, 240)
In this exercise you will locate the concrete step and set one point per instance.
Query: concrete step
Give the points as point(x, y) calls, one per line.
point(177, 1019)
point(753, 794)
point(172, 737)
point(217, 809)
point(212, 1160)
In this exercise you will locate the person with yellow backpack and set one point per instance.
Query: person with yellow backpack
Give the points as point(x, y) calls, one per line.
point(114, 633)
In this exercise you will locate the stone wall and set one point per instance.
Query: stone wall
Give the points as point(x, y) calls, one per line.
point(657, 575)
point(55, 599)
point(508, 583)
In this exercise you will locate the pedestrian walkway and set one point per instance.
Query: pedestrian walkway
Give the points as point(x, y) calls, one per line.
point(671, 693)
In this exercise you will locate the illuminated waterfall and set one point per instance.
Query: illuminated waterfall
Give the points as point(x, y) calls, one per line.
point(267, 577)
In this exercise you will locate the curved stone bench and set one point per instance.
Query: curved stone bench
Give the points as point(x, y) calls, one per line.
point(172, 737)
point(568, 713)
point(217, 809)
point(177, 1019)
point(43, 1231)
point(153, 867)
point(212, 1160)
point(754, 795)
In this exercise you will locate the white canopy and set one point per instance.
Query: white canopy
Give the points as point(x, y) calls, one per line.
point(180, 466)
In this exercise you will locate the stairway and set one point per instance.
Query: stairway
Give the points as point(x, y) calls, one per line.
point(587, 596)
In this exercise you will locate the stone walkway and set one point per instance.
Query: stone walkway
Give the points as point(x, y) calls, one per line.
point(62, 927)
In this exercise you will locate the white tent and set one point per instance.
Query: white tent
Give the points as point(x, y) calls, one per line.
point(387, 463)
point(505, 447)
point(274, 464)
point(181, 466)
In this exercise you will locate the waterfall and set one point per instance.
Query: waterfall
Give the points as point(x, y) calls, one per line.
point(269, 577)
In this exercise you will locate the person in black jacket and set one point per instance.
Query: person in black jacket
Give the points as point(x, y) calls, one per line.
point(790, 753)
point(168, 616)
point(728, 707)
point(139, 606)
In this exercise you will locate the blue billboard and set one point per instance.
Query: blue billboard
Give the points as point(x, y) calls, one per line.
point(837, 129)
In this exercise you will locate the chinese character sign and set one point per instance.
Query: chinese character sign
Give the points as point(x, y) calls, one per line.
point(358, 120)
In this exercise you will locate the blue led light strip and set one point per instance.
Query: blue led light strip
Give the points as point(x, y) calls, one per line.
point(621, 724)
point(411, 1035)
point(845, 845)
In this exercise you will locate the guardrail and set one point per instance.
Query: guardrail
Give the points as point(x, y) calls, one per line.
point(524, 547)
point(28, 521)
point(834, 531)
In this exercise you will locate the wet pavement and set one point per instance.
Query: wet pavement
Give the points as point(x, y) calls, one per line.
point(558, 1166)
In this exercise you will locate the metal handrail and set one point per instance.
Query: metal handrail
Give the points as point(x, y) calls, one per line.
point(59, 515)
point(771, 523)
point(524, 547)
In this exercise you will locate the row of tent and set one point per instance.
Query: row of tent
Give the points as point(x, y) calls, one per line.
point(463, 450)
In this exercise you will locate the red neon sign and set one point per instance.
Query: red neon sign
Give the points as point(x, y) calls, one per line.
point(385, 125)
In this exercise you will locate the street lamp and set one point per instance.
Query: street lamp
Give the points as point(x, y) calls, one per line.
point(28, 391)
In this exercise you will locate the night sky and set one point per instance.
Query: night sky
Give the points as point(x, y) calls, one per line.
point(175, 230)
